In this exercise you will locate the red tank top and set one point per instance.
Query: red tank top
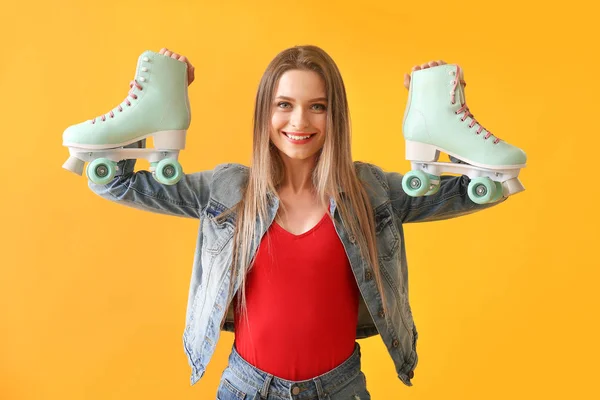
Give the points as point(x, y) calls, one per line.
point(302, 302)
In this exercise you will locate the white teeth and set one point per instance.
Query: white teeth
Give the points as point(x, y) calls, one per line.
point(297, 137)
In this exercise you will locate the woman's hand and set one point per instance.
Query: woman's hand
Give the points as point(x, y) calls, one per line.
point(190, 67)
point(430, 64)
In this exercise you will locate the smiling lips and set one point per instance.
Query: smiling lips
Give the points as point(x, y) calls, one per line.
point(298, 137)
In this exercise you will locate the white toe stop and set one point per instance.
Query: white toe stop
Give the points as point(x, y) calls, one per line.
point(74, 165)
point(512, 186)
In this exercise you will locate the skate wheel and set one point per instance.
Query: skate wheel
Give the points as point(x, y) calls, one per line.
point(168, 171)
point(482, 190)
point(415, 183)
point(498, 195)
point(101, 171)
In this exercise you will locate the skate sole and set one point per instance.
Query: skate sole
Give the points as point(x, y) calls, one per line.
point(152, 155)
point(424, 152)
point(170, 139)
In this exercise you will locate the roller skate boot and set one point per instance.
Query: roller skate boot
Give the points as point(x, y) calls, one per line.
point(436, 120)
point(157, 106)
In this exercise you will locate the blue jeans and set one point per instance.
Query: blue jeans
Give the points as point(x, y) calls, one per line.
point(243, 381)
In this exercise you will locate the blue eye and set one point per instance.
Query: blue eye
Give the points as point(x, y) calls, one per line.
point(323, 107)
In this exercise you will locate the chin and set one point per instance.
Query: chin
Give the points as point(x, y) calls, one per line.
point(297, 157)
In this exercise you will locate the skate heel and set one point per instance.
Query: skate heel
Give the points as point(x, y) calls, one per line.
point(169, 140)
point(416, 151)
point(74, 165)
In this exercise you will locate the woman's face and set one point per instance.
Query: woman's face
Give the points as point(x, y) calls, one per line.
point(299, 115)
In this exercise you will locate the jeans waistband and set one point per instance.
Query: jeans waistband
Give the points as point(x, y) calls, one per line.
point(316, 387)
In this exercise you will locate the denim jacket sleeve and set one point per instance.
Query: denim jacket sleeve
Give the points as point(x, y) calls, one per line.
point(450, 201)
point(186, 198)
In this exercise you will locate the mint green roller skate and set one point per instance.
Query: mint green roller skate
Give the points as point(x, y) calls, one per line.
point(436, 120)
point(157, 106)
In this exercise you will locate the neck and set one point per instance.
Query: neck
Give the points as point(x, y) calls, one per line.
point(298, 175)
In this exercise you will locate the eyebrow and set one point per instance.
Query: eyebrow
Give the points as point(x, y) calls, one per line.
point(289, 98)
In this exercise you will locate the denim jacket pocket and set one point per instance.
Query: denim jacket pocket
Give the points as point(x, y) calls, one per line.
point(217, 233)
point(388, 238)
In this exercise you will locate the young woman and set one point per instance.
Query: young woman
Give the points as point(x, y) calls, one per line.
point(301, 253)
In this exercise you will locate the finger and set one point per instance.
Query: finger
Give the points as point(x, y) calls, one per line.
point(433, 63)
point(190, 67)
point(175, 56)
point(168, 53)
point(191, 75)
point(425, 65)
point(407, 81)
point(441, 62)
point(416, 68)
point(162, 51)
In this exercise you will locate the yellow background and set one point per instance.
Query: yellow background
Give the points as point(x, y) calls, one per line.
point(93, 294)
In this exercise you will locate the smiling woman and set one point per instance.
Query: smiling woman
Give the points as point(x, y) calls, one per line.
point(302, 154)
point(302, 253)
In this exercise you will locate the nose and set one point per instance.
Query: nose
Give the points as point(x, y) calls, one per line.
point(298, 119)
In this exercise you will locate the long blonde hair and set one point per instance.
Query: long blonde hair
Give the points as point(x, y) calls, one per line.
point(334, 168)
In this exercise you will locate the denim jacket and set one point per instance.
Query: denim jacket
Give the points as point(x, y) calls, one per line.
point(205, 195)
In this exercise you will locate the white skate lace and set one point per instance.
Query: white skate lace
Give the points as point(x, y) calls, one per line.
point(133, 96)
point(465, 109)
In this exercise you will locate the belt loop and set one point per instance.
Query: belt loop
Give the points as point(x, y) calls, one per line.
point(320, 391)
point(264, 391)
